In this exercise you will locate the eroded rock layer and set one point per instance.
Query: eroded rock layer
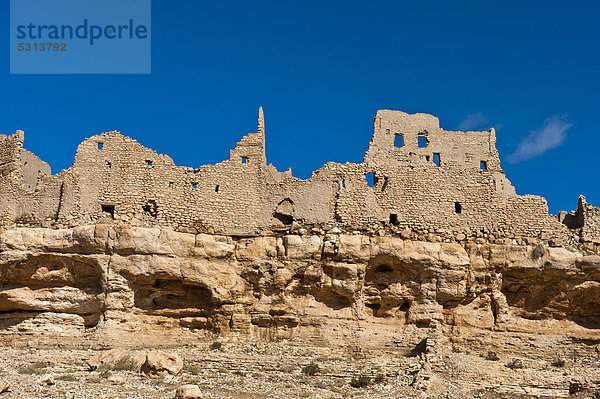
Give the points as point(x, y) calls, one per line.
point(110, 282)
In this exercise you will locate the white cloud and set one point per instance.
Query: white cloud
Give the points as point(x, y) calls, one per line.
point(474, 122)
point(551, 135)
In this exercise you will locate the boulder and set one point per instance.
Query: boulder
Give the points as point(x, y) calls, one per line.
point(302, 247)
point(354, 248)
point(118, 358)
point(159, 363)
point(188, 392)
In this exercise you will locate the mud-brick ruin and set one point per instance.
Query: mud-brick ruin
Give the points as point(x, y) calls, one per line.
point(416, 179)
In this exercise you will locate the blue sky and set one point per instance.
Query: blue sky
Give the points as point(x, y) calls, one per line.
point(321, 69)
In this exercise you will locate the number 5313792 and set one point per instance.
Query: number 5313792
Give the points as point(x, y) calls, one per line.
point(42, 47)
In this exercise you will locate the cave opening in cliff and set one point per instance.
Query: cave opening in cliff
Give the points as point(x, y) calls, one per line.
point(384, 269)
point(173, 294)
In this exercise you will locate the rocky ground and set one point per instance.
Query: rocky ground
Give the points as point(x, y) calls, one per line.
point(469, 364)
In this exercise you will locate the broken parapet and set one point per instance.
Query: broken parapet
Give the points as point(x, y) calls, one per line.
point(415, 177)
point(585, 220)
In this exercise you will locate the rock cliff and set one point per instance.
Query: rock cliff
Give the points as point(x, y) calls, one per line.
point(112, 283)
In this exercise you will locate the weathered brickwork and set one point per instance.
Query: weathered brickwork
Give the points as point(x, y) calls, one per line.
point(415, 177)
point(585, 220)
point(28, 194)
point(468, 190)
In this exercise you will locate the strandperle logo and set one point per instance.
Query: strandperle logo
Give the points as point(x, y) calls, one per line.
point(84, 31)
point(80, 36)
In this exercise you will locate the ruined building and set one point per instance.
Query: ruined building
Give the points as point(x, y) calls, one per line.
point(415, 177)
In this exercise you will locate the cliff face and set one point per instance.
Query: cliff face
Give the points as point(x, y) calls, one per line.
point(111, 282)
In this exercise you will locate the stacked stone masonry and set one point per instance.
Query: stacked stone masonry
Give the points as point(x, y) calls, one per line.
point(415, 177)
point(585, 221)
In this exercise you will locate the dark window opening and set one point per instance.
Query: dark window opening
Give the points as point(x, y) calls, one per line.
point(427, 158)
point(148, 162)
point(283, 218)
point(371, 180)
point(387, 131)
point(398, 140)
point(244, 159)
point(217, 188)
point(393, 219)
point(436, 160)
point(108, 210)
point(422, 142)
point(25, 163)
point(285, 212)
point(171, 184)
point(483, 165)
point(457, 207)
point(109, 164)
point(100, 146)
point(150, 208)
point(385, 183)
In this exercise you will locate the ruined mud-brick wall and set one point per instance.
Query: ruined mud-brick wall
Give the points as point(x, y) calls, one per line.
point(117, 178)
point(424, 179)
point(591, 222)
point(431, 179)
point(585, 221)
point(28, 194)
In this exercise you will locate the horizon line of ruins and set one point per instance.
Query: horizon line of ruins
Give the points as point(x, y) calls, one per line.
point(414, 176)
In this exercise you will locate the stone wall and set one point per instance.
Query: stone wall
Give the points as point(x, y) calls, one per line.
point(585, 221)
point(452, 181)
point(415, 176)
point(33, 169)
point(28, 194)
point(591, 221)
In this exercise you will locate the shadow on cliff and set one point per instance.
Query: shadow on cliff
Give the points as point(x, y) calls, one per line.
point(391, 285)
point(542, 297)
point(33, 284)
point(172, 298)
